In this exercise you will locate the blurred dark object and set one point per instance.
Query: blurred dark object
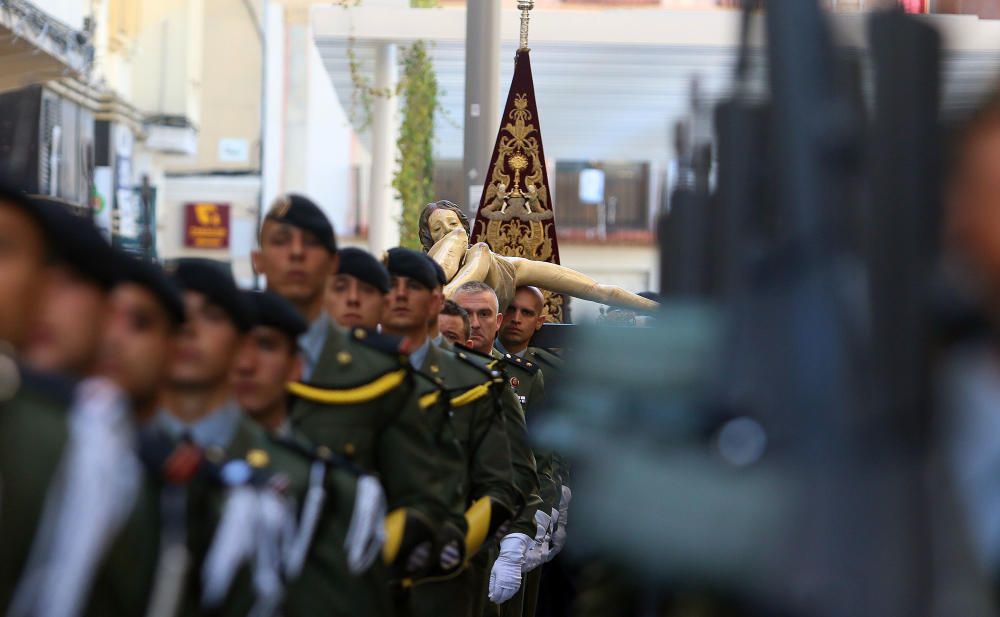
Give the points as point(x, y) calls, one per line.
point(765, 447)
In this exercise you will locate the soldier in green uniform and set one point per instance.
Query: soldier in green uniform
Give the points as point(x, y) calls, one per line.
point(268, 361)
point(522, 319)
point(32, 407)
point(64, 338)
point(356, 296)
point(529, 530)
point(358, 397)
point(460, 399)
point(333, 541)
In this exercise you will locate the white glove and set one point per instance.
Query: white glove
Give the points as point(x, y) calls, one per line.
point(505, 578)
point(539, 549)
point(366, 532)
point(559, 535)
point(451, 556)
point(419, 557)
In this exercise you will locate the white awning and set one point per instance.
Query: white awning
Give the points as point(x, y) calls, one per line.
point(610, 85)
point(35, 48)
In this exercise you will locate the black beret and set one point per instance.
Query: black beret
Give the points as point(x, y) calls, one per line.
point(412, 264)
point(78, 243)
point(300, 211)
point(364, 267)
point(154, 280)
point(273, 311)
point(441, 276)
point(214, 279)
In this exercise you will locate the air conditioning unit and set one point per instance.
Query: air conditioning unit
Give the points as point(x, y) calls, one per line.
point(46, 143)
point(171, 135)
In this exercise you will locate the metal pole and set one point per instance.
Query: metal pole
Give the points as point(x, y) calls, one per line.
point(263, 30)
point(482, 95)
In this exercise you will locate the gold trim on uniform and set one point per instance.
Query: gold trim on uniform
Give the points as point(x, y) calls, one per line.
point(349, 396)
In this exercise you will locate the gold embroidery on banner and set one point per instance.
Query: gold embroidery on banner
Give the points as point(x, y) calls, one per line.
point(519, 218)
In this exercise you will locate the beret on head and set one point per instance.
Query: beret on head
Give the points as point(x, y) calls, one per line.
point(364, 267)
point(273, 311)
point(300, 211)
point(214, 280)
point(79, 244)
point(413, 265)
point(153, 279)
point(438, 270)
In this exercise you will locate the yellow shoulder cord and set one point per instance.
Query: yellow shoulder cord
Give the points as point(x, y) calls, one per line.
point(349, 396)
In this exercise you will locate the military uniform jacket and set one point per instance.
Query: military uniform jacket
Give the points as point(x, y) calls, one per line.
point(361, 403)
point(521, 456)
point(525, 378)
point(470, 430)
point(325, 584)
point(33, 434)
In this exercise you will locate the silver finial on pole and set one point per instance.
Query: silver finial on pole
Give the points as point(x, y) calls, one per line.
point(525, 7)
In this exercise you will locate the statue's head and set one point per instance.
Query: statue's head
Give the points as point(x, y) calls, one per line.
point(440, 218)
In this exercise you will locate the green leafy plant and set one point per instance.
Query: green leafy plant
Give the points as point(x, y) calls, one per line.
point(414, 178)
point(418, 87)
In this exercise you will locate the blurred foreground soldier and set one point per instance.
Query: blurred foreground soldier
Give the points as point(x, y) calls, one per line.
point(73, 309)
point(268, 361)
point(250, 526)
point(356, 298)
point(33, 429)
point(95, 487)
point(471, 443)
point(520, 549)
point(453, 323)
point(357, 398)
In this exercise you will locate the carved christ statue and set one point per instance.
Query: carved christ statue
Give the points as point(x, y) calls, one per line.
point(444, 234)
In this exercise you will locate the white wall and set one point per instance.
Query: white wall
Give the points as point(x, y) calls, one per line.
point(328, 149)
point(317, 138)
point(632, 267)
point(240, 192)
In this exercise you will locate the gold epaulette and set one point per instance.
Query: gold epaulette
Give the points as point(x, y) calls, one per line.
point(349, 396)
point(471, 395)
point(429, 400)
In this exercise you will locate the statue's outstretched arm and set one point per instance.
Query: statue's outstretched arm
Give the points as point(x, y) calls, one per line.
point(560, 279)
point(449, 251)
point(478, 260)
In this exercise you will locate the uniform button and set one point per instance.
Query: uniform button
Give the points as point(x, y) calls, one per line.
point(343, 357)
point(350, 450)
point(360, 333)
point(434, 368)
point(257, 458)
point(324, 453)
